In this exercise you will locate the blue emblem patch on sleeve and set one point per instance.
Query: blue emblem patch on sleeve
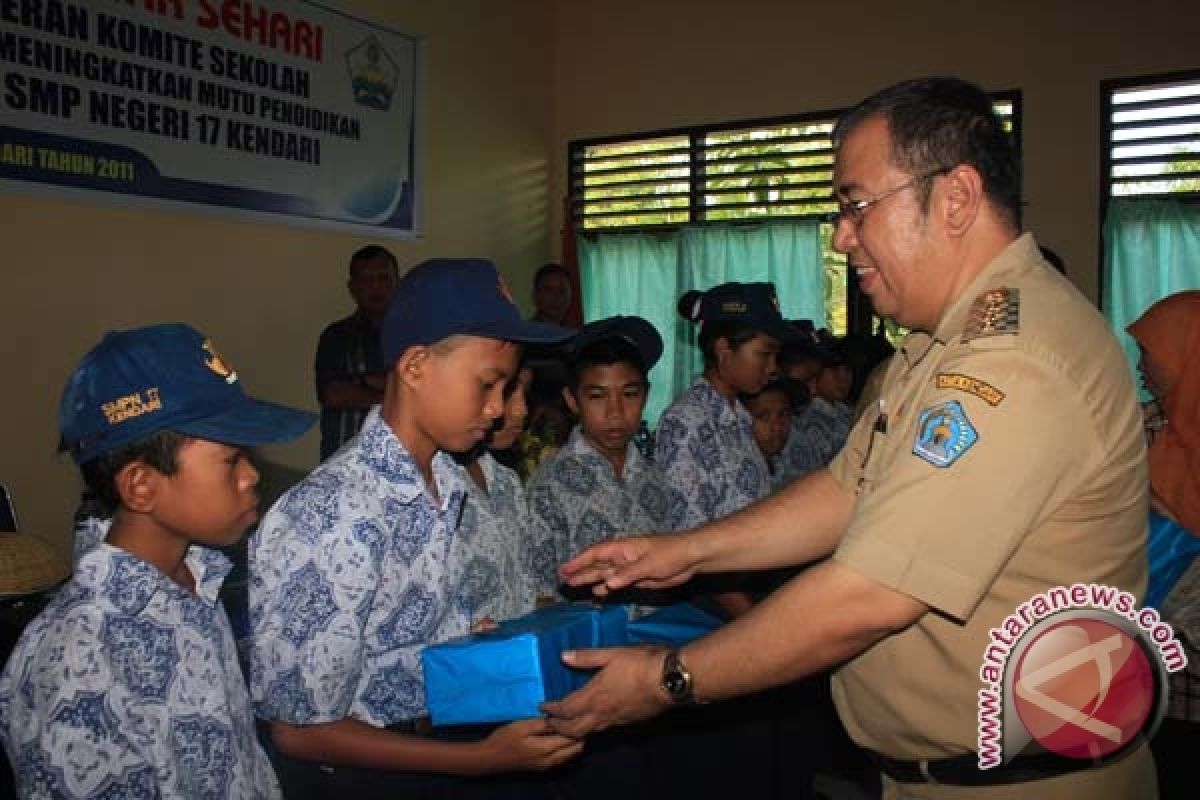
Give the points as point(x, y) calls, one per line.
point(944, 433)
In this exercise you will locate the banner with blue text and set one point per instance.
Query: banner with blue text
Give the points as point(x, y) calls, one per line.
point(284, 108)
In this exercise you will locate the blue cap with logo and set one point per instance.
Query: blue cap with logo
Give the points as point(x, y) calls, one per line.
point(754, 305)
point(137, 382)
point(445, 297)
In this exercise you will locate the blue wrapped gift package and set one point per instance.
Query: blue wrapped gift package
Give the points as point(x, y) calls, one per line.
point(671, 625)
point(508, 672)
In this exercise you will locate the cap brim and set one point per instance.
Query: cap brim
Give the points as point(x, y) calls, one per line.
point(523, 331)
point(250, 424)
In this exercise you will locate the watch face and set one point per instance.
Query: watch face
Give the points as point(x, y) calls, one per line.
point(676, 680)
point(675, 683)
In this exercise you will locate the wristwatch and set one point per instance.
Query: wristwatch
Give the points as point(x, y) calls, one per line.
point(677, 680)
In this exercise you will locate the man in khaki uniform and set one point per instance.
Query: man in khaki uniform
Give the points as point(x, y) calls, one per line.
point(1005, 457)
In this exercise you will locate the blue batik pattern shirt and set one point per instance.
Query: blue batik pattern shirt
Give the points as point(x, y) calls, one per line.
point(706, 450)
point(816, 436)
point(779, 476)
point(127, 685)
point(352, 572)
point(577, 500)
point(495, 539)
point(89, 532)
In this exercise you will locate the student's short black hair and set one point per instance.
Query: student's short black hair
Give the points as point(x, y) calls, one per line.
point(604, 353)
point(370, 253)
point(546, 270)
point(796, 353)
point(159, 450)
point(780, 385)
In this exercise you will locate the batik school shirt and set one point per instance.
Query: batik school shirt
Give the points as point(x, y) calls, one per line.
point(576, 500)
point(89, 532)
point(495, 539)
point(128, 685)
point(705, 448)
point(816, 436)
point(779, 475)
point(352, 572)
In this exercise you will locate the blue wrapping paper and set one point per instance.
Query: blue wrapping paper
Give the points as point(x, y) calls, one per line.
point(1170, 549)
point(671, 625)
point(507, 673)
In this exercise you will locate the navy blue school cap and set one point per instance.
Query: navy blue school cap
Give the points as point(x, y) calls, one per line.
point(754, 305)
point(138, 382)
point(445, 297)
point(815, 343)
point(635, 331)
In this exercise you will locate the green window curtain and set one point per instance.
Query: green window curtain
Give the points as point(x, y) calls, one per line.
point(645, 275)
point(635, 274)
point(1151, 250)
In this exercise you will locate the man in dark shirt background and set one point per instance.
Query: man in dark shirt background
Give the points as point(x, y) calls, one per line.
point(349, 366)
point(552, 295)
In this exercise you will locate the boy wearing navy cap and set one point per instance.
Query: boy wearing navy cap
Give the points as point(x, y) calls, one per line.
point(128, 683)
point(820, 428)
point(357, 570)
point(598, 484)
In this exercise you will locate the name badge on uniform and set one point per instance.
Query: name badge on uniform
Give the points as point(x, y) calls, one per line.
point(944, 433)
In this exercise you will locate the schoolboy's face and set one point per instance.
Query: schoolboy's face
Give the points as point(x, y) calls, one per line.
point(609, 402)
point(516, 410)
point(833, 383)
point(210, 499)
point(772, 419)
point(748, 367)
point(461, 392)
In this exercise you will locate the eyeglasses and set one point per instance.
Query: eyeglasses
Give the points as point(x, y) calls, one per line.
point(855, 210)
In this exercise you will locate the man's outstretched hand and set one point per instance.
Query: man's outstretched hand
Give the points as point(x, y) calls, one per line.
point(659, 561)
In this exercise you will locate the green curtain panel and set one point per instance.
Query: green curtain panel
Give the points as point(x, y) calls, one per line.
point(1151, 250)
point(645, 274)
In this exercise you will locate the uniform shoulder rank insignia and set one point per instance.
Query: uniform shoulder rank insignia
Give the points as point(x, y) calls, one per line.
point(943, 434)
point(994, 313)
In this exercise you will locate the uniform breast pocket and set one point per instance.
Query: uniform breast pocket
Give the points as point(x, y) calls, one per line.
point(874, 457)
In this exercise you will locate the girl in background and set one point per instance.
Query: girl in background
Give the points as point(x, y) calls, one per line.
point(1168, 334)
point(494, 529)
point(705, 443)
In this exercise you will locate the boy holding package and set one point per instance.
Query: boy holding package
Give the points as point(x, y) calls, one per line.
point(357, 568)
point(128, 683)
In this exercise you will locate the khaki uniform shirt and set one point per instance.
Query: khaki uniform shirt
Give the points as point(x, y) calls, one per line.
point(1044, 485)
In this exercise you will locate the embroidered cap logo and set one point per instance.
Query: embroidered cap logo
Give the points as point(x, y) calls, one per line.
point(217, 364)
